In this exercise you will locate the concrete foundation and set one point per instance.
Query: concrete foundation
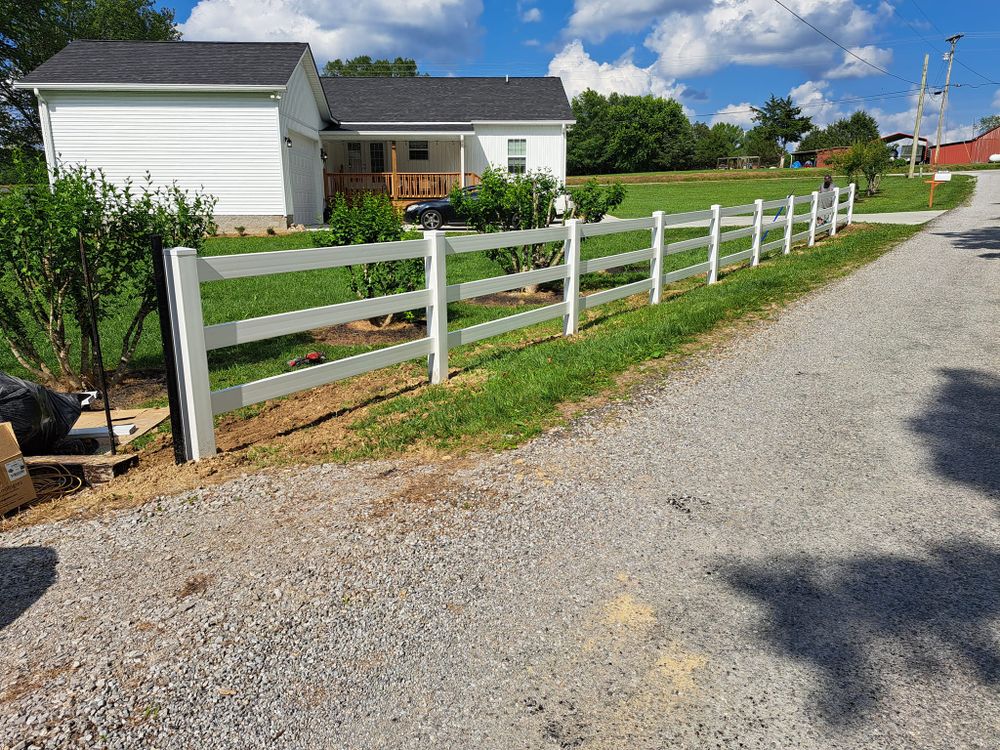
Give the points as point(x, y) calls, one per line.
point(252, 224)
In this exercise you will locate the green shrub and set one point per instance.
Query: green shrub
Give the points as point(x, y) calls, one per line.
point(44, 311)
point(593, 201)
point(507, 202)
point(871, 159)
point(369, 218)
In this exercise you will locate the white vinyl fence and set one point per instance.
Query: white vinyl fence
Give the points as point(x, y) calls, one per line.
point(192, 339)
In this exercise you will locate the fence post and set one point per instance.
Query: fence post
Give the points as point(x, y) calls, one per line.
point(571, 287)
point(850, 203)
point(758, 230)
point(714, 230)
point(836, 209)
point(813, 217)
point(656, 264)
point(437, 308)
point(169, 358)
point(188, 334)
point(789, 223)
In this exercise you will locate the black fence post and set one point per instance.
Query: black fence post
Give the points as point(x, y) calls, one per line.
point(169, 354)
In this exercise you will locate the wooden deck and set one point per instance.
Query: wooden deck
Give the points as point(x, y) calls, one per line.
point(399, 186)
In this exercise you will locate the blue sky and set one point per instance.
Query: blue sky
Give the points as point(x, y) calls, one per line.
point(718, 57)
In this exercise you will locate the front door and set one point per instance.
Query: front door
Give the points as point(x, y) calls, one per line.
point(376, 154)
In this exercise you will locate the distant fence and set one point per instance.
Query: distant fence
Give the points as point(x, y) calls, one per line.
point(190, 339)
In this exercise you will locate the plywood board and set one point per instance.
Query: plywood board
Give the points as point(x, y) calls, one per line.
point(143, 419)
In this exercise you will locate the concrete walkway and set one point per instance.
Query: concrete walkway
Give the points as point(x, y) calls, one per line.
point(790, 543)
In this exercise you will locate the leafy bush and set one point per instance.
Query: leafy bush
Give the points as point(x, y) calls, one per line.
point(507, 202)
point(593, 201)
point(44, 311)
point(368, 218)
point(871, 159)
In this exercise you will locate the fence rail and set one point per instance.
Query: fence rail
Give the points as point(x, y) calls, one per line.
point(191, 339)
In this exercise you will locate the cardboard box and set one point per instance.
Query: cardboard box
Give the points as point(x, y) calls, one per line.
point(16, 487)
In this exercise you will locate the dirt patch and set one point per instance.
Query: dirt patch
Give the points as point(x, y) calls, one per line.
point(364, 333)
point(517, 298)
point(196, 584)
point(138, 388)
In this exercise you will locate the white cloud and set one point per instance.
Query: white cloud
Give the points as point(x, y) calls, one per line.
point(852, 67)
point(902, 121)
point(812, 97)
point(595, 20)
point(531, 15)
point(579, 71)
point(996, 100)
point(373, 27)
point(737, 114)
point(694, 41)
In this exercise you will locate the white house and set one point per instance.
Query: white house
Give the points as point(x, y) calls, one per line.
point(255, 125)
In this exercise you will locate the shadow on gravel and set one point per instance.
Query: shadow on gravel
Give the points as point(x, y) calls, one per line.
point(961, 429)
point(983, 238)
point(25, 575)
point(871, 621)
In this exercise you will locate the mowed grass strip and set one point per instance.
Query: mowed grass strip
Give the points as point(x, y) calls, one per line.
point(519, 390)
point(896, 194)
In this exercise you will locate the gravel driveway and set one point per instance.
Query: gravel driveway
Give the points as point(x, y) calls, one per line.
point(791, 543)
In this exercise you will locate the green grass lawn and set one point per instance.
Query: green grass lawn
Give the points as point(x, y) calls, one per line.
point(897, 194)
point(244, 298)
point(520, 390)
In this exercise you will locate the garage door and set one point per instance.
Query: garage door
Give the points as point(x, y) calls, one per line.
point(304, 166)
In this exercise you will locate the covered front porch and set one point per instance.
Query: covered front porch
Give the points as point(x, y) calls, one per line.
point(405, 166)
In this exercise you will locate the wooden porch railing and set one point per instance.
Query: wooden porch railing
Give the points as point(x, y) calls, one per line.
point(398, 185)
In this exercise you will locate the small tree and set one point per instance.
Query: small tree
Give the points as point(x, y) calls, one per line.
point(371, 218)
point(870, 160)
point(593, 201)
point(507, 202)
point(44, 311)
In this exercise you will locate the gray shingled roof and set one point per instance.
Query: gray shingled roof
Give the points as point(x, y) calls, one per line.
point(425, 99)
point(352, 128)
point(191, 63)
point(352, 100)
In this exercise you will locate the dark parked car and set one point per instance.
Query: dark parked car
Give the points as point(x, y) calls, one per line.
point(435, 212)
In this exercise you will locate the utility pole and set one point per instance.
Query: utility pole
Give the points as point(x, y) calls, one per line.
point(952, 40)
point(920, 113)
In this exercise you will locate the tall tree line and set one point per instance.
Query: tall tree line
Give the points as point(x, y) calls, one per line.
point(618, 133)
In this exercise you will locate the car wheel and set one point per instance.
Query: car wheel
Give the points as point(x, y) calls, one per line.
point(431, 219)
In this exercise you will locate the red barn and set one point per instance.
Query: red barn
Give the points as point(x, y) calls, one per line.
point(978, 150)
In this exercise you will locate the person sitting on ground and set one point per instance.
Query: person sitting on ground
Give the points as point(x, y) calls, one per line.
point(825, 195)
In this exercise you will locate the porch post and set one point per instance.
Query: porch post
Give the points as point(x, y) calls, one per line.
point(394, 189)
point(461, 159)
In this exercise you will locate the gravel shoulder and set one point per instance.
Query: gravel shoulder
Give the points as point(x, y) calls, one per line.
point(790, 542)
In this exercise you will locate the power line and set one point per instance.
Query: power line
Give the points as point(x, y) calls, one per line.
point(834, 41)
point(825, 102)
point(936, 28)
point(929, 20)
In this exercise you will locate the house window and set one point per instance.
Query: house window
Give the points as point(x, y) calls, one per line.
point(517, 155)
point(376, 151)
point(419, 151)
point(353, 157)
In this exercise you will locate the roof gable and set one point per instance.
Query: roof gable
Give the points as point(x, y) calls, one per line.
point(424, 99)
point(170, 64)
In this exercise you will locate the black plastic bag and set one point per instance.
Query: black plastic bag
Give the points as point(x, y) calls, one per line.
point(40, 417)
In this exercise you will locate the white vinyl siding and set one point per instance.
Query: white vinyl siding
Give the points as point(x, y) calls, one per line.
point(543, 146)
point(298, 102)
point(443, 156)
point(227, 144)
